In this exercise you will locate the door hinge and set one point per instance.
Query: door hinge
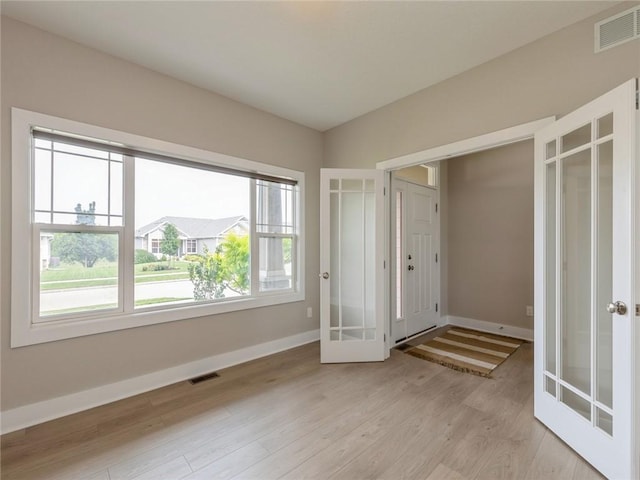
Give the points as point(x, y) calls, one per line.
point(637, 310)
point(436, 258)
point(436, 208)
point(384, 264)
point(385, 337)
point(384, 191)
point(436, 308)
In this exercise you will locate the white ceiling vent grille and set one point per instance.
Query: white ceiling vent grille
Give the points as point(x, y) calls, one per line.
point(618, 29)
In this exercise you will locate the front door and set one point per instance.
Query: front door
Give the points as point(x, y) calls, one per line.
point(416, 259)
point(351, 265)
point(584, 277)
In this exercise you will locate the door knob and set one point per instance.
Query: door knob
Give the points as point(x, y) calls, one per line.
point(618, 307)
point(410, 267)
point(324, 275)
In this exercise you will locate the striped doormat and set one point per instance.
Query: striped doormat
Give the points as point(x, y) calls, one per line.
point(467, 350)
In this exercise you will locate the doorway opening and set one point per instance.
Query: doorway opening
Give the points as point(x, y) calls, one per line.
point(396, 171)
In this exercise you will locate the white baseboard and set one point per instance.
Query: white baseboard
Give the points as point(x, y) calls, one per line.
point(35, 413)
point(489, 327)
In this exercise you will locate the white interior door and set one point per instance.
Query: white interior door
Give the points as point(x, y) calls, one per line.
point(416, 259)
point(584, 258)
point(352, 265)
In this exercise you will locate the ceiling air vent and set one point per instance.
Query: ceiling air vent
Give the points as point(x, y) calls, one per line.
point(618, 29)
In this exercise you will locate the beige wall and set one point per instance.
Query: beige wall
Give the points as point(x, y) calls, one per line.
point(48, 74)
point(551, 76)
point(490, 235)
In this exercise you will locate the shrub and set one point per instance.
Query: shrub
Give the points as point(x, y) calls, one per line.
point(158, 267)
point(193, 257)
point(142, 256)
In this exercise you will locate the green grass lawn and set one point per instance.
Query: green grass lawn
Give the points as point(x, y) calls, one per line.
point(106, 273)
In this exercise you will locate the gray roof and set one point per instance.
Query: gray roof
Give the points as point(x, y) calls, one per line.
point(194, 227)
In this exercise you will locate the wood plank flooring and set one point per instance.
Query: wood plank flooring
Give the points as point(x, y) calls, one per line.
point(287, 416)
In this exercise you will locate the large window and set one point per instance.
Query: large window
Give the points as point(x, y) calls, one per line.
point(127, 231)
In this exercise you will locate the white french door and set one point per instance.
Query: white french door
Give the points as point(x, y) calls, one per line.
point(351, 263)
point(584, 279)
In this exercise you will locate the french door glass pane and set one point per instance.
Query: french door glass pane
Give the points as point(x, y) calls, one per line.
point(604, 236)
point(605, 125)
point(576, 402)
point(576, 285)
point(604, 421)
point(334, 285)
point(550, 271)
point(352, 266)
point(576, 138)
point(352, 289)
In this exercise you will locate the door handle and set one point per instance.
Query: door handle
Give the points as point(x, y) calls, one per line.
point(324, 275)
point(618, 307)
point(410, 267)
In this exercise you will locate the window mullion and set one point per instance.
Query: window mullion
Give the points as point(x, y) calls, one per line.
point(126, 259)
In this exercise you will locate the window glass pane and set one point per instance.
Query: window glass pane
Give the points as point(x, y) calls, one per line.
point(181, 208)
point(42, 217)
point(275, 263)
point(75, 186)
point(83, 217)
point(83, 151)
point(274, 208)
point(78, 272)
point(80, 182)
point(42, 180)
point(115, 186)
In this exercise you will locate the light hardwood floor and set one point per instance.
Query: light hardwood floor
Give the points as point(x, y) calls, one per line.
point(288, 416)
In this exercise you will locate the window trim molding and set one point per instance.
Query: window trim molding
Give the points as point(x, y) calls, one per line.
point(23, 330)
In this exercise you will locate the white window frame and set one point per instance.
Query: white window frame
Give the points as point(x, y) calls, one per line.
point(25, 268)
point(190, 246)
point(155, 246)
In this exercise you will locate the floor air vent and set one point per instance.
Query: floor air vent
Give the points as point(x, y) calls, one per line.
point(619, 29)
point(203, 378)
